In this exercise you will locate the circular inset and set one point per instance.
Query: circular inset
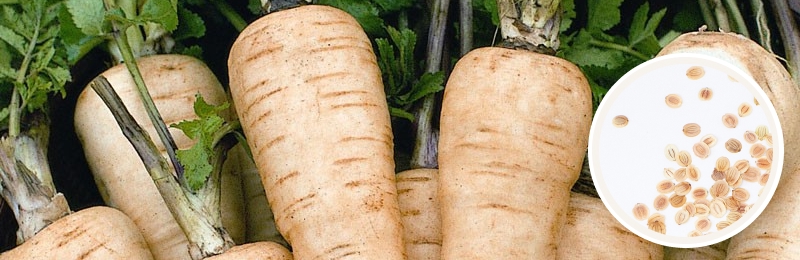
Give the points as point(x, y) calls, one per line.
point(705, 193)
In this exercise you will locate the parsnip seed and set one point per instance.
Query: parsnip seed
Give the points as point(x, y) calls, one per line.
point(768, 138)
point(702, 201)
point(684, 159)
point(731, 203)
point(702, 224)
point(682, 217)
point(656, 217)
point(705, 94)
point(751, 174)
point(673, 100)
point(669, 173)
point(693, 173)
point(695, 72)
point(723, 224)
point(717, 208)
point(763, 163)
point(671, 152)
point(740, 194)
point(691, 129)
point(656, 223)
point(731, 175)
point(682, 188)
point(768, 154)
point(730, 120)
point(750, 137)
point(701, 210)
point(757, 150)
point(733, 145)
point(695, 233)
point(680, 175)
point(761, 132)
point(665, 186)
point(719, 189)
point(620, 121)
point(709, 139)
point(701, 150)
point(744, 110)
point(737, 183)
point(733, 216)
point(763, 179)
point(718, 175)
point(661, 202)
point(742, 165)
point(640, 211)
point(689, 207)
point(699, 193)
point(723, 163)
point(676, 200)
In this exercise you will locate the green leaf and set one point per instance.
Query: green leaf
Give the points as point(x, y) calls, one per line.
point(568, 15)
point(197, 160)
point(393, 5)
point(75, 42)
point(160, 12)
point(399, 112)
point(194, 51)
point(13, 39)
point(191, 25)
point(255, 6)
point(428, 84)
point(643, 28)
point(603, 14)
point(593, 56)
point(365, 12)
point(89, 16)
point(668, 37)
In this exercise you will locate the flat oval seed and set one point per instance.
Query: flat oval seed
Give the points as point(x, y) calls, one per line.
point(693, 173)
point(682, 217)
point(680, 175)
point(695, 233)
point(673, 100)
point(719, 189)
point(640, 211)
point(733, 216)
point(661, 202)
point(659, 227)
point(682, 188)
point(671, 152)
point(740, 194)
point(763, 163)
point(742, 165)
point(705, 94)
point(751, 174)
point(731, 203)
point(709, 139)
point(744, 110)
point(699, 193)
point(730, 120)
point(733, 145)
point(695, 72)
point(731, 176)
point(620, 121)
point(676, 200)
point(691, 129)
point(723, 163)
point(757, 150)
point(761, 132)
point(718, 175)
point(701, 201)
point(689, 207)
point(665, 186)
point(768, 154)
point(684, 158)
point(763, 180)
point(701, 150)
point(768, 138)
point(717, 208)
point(737, 183)
point(750, 137)
point(702, 224)
point(701, 210)
point(656, 217)
point(723, 224)
point(669, 173)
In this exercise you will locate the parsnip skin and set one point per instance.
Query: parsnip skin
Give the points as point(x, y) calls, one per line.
point(173, 81)
point(257, 250)
point(308, 92)
point(591, 232)
point(514, 132)
point(775, 234)
point(419, 206)
point(101, 233)
point(716, 251)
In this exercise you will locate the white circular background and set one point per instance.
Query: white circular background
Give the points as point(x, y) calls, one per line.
point(626, 163)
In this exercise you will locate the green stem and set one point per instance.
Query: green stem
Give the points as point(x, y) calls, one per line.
point(708, 16)
point(206, 237)
point(15, 108)
point(764, 34)
point(233, 17)
point(147, 100)
point(790, 35)
point(619, 47)
point(465, 18)
point(736, 15)
point(721, 15)
point(425, 152)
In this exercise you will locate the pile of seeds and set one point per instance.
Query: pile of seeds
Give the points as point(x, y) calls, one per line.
point(725, 201)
